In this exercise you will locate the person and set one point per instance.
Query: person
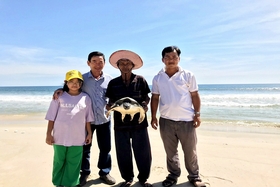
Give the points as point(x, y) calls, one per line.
point(69, 119)
point(95, 85)
point(129, 133)
point(175, 91)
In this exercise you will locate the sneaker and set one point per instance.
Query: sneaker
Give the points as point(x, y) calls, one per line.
point(108, 179)
point(83, 180)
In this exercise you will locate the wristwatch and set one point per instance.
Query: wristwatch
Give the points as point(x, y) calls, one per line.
point(197, 113)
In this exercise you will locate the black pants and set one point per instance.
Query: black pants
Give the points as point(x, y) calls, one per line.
point(138, 140)
point(103, 135)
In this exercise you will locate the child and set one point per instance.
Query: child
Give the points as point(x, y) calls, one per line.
point(69, 129)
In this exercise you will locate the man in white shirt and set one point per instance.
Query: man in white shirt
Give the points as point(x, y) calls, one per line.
point(175, 91)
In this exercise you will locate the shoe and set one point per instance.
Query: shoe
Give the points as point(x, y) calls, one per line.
point(145, 184)
point(126, 184)
point(108, 179)
point(169, 182)
point(83, 180)
point(197, 183)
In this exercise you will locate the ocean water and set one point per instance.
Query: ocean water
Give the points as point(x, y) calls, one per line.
point(242, 104)
point(25, 100)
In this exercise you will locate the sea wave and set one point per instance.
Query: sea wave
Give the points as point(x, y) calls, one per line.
point(26, 98)
point(242, 100)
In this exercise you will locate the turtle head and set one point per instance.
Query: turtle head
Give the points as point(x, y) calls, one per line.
point(126, 105)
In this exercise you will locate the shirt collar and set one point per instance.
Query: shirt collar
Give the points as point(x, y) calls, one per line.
point(163, 70)
point(91, 76)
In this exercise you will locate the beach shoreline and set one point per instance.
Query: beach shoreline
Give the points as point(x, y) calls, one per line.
point(37, 119)
point(228, 155)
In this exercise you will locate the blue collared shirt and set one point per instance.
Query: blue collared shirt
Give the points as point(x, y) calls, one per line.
point(96, 89)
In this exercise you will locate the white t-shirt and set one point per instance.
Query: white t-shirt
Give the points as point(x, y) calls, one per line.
point(175, 102)
point(70, 114)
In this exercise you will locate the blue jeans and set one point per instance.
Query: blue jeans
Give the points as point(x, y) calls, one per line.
point(103, 136)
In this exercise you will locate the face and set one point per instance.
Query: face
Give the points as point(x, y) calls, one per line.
point(74, 84)
point(96, 64)
point(125, 65)
point(171, 59)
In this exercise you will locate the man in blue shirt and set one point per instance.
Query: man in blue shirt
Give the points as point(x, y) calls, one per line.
point(95, 85)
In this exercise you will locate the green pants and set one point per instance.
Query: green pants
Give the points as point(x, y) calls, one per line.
point(66, 165)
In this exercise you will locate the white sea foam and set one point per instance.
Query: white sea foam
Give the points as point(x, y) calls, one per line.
point(238, 104)
point(242, 100)
point(25, 98)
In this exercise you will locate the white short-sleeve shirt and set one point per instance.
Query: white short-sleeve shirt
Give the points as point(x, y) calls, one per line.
point(175, 101)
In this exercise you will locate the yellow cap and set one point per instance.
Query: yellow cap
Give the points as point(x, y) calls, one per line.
point(73, 74)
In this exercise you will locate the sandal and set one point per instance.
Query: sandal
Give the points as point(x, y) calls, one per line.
point(145, 184)
point(198, 183)
point(169, 182)
point(126, 184)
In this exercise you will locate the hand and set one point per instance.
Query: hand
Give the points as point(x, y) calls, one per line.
point(154, 123)
point(57, 93)
point(49, 139)
point(108, 107)
point(145, 107)
point(196, 121)
point(88, 139)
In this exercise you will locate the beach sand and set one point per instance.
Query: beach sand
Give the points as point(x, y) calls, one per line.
point(229, 156)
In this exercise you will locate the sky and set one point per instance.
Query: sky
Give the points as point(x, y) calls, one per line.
point(222, 41)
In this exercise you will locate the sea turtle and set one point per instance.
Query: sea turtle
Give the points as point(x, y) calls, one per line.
point(128, 106)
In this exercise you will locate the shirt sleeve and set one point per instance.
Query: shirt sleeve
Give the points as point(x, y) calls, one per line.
point(89, 111)
point(155, 86)
point(146, 87)
point(191, 82)
point(108, 90)
point(52, 111)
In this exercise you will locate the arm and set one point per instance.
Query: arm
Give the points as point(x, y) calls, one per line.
point(89, 133)
point(196, 104)
point(49, 136)
point(154, 107)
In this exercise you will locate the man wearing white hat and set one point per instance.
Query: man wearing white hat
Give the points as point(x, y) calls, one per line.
point(129, 132)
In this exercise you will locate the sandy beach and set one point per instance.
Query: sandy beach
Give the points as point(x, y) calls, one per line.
point(229, 156)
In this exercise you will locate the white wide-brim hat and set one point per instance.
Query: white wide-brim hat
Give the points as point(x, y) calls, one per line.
point(125, 54)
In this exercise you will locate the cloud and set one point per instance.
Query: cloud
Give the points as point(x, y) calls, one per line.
point(27, 64)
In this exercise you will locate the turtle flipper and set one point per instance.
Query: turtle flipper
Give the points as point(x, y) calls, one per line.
point(123, 115)
point(132, 116)
point(142, 115)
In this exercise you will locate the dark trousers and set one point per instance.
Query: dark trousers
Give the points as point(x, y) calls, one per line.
point(138, 140)
point(103, 136)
